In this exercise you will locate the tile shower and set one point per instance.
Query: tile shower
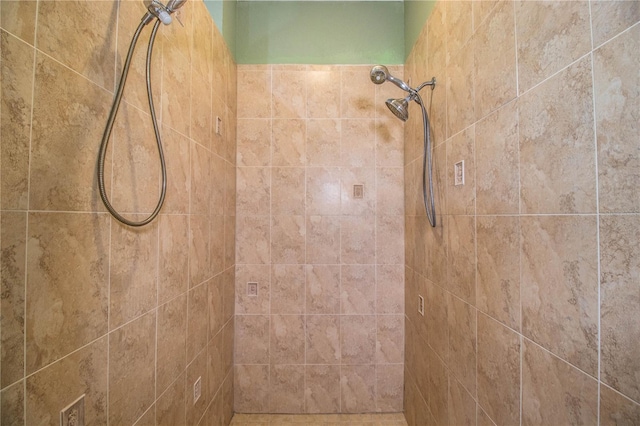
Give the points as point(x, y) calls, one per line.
point(530, 279)
point(130, 318)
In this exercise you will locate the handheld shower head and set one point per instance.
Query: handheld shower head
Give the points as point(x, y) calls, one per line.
point(399, 107)
point(173, 5)
point(379, 74)
point(158, 10)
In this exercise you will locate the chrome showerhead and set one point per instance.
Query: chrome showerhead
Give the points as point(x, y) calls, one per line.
point(174, 5)
point(379, 74)
point(399, 107)
point(155, 9)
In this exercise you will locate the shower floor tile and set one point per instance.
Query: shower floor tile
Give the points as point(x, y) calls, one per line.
point(384, 419)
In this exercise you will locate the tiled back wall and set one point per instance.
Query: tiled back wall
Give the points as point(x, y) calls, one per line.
point(325, 332)
point(531, 278)
point(128, 317)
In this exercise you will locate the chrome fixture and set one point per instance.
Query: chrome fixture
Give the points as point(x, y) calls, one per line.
point(162, 13)
point(400, 108)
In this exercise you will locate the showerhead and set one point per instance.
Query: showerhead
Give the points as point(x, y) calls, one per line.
point(399, 107)
point(173, 5)
point(155, 9)
point(379, 74)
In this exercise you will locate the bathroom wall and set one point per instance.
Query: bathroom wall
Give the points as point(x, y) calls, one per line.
point(130, 318)
point(531, 276)
point(325, 332)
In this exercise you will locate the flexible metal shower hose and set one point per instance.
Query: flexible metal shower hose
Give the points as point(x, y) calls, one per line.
point(427, 166)
point(111, 120)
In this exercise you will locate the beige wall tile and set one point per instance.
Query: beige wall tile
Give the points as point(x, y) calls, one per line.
point(64, 312)
point(357, 384)
point(19, 18)
point(357, 239)
point(287, 289)
point(557, 165)
point(322, 289)
point(13, 231)
point(287, 342)
point(438, 382)
point(254, 142)
point(357, 289)
point(616, 98)
point(171, 351)
point(498, 371)
point(460, 88)
point(435, 323)
point(615, 409)
point(171, 407)
point(199, 249)
point(215, 363)
point(608, 18)
point(259, 304)
point(463, 342)
point(323, 191)
point(462, 259)
point(133, 272)
point(389, 340)
point(16, 100)
point(322, 339)
point(12, 402)
point(357, 92)
point(197, 370)
point(365, 176)
point(357, 143)
point(323, 92)
point(546, 44)
point(462, 406)
point(131, 369)
point(253, 191)
point(252, 339)
point(254, 93)
point(498, 281)
point(173, 278)
point(497, 167)
point(559, 286)
point(461, 199)
point(253, 240)
point(201, 109)
point(251, 389)
point(554, 391)
point(287, 191)
point(286, 389)
point(323, 141)
point(200, 180)
point(323, 239)
point(177, 149)
point(389, 141)
point(620, 303)
point(357, 339)
point(459, 22)
point(61, 383)
point(215, 304)
point(288, 239)
point(288, 142)
point(389, 387)
point(322, 388)
point(288, 95)
point(389, 191)
point(176, 85)
point(390, 289)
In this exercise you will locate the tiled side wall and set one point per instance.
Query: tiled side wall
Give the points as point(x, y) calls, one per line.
point(128, 317)
point(531, 277)
point(325, 332)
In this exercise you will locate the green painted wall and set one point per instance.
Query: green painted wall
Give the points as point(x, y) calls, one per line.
point(416, 13)
point(223, 13)
point(327, 32)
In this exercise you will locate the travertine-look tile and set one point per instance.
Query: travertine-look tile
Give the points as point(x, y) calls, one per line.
point(287, 340)
point(389, 239)
point(389, 142)
point(287, 191)
point(498, 371)
point(460, 88)
point(65, 312)
point(389, 339)
point(173, 267)
point(288, 142)
point(215, 363)
point(177, 148)
point(322, 339)
point(462, 342)
point(196, 325)
point(171, 356)
point(461, 199)
point(176, 85)
point(357, 289)
point(286, 389)
point(556, 135)
point(323, 142)
point(288, 93)
point(323, 191)
point(358, 94)
point(389, 191)
point(131, 369)
point(254, 142)
point(357, 339)
point(13, 227)
point(322, 289)
point(133, 276)
point(357, 239)
point(12, 402)
point(389, 387)
point(389, 289)
point(462, 259)
point(438, 383)
point(495, 60)
point(617, 100)
point(462, 407)
point(357, 384)
point(62, 141)
point(201, 110)
point(435, 326)
point(58, 24)
point(216, 302)
point(253, 190)
point(498, 255)
point(615, 409)
point(200, 180)
point(288, 239)
point(259, 304)
point(550, 36)
point(253, 240)
point(197, 369)
point(357, 143)
point(252, 339)
point(323, 239)
point(620, 303)
point(609, 18)
point(287, 289)
point(350, 205)
point(559, 286)
point(16, 101)
point(323, 94)
point(170, 406)
point(322, 391)
point(497, 169)
point(19, 18)
point(554, 392)
point(254, 93)
point(83, 372)
point(251, 389)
